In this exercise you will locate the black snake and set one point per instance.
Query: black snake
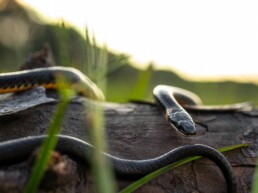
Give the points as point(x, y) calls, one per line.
point(168, 98)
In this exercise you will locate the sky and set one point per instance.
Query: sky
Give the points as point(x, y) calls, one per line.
point(201, 38)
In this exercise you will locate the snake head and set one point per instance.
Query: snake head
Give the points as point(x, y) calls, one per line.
point(186, 127)
point(182, 122)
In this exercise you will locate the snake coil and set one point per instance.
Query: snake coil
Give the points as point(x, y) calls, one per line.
point(167, 97)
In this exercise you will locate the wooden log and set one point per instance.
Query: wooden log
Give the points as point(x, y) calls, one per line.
point(133, 131)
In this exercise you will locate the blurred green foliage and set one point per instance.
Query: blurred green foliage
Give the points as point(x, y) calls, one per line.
point(22, 31)
point(45, 152)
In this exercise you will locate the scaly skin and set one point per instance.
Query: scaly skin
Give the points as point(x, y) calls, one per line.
point(14, 150)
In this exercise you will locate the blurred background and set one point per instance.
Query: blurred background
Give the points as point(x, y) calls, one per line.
point(128, 47)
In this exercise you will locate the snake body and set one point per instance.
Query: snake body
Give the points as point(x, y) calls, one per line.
point(20, 148)
point(169, 99)
point(165, 96)
point(47, 77)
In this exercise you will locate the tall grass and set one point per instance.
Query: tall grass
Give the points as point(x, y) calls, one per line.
point(63, 43)
point(50, 142)
point(95, 66)
point(140, 88)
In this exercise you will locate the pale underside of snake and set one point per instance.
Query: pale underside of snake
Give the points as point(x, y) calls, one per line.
point(167, 97)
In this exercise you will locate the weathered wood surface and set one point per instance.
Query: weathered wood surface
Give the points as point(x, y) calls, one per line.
point(135, 131)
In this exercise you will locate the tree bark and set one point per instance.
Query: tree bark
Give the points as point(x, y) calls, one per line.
point(133, 131)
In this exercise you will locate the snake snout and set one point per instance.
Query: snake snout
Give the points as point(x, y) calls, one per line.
point(186, 127)
point(182, 122)
point(183, 126)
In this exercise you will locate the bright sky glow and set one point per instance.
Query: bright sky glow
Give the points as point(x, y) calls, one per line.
point(198, 38)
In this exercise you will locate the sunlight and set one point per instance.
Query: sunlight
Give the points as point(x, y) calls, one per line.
point(198, 38)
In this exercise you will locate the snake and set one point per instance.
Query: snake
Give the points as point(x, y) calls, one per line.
point(170, 99)
point(167, 97)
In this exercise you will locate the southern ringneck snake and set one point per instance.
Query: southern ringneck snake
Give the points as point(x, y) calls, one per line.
point(167, 97)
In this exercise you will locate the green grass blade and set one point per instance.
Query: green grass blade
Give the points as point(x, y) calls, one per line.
point(96, 61)
point(50, 142)
point(141, 85)
point(229, 148)
point(132, 187)
point(100, 167)
point(62, 35)
point(255, 181)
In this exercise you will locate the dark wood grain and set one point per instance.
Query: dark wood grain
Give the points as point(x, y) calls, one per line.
point(139, 131)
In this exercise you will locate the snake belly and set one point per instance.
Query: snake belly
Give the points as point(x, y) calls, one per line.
point(48, 78)
point(166, 96)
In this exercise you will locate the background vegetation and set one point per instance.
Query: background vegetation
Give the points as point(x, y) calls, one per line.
point(29, 32)
point(22, 32)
